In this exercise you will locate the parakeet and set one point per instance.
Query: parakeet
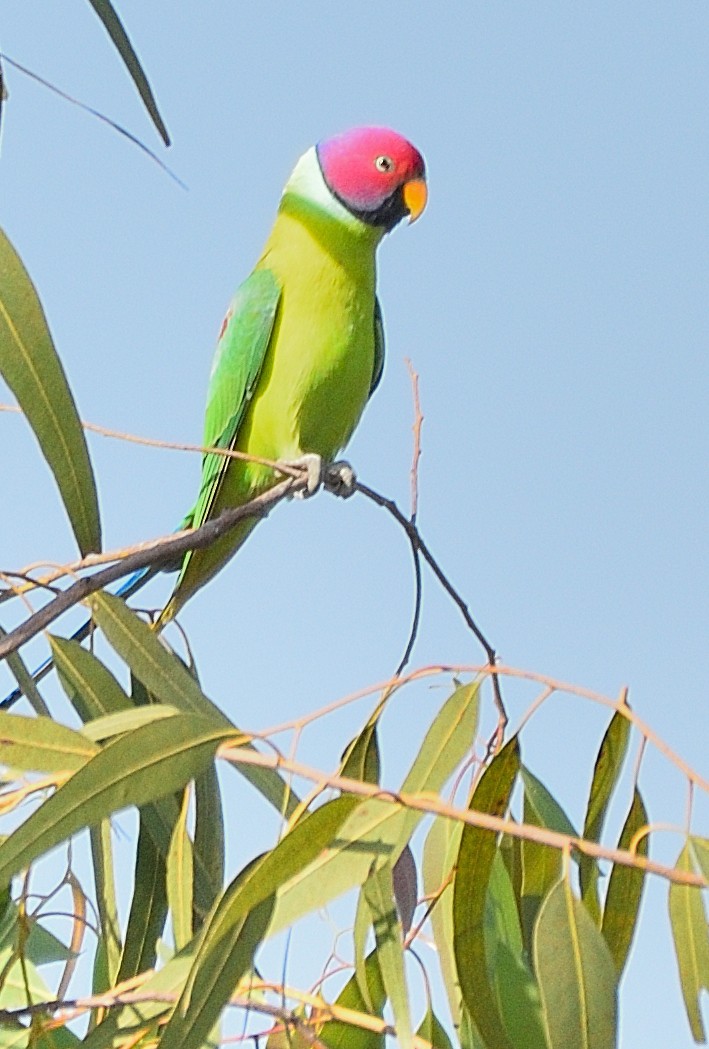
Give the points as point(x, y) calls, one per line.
point(301, 348)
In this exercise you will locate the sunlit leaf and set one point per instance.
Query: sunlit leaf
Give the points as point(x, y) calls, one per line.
point(388, 934)
point(126, 721)
point(90, 686)
point(109, 946)
point(133, 769)
point(240, 921)
point(439, 854)
point(625, 888)
point(180, 879)
point(118, 35)
point(31, 368)
point(691, 940)
point(379, 830)
point(42, 745)
point(576, 974)
point(475, 859)
point(169, 681)
point(606, 773)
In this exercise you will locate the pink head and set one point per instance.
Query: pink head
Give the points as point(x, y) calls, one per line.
point(376, 174)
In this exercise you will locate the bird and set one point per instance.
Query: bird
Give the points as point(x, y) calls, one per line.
point(301, 348)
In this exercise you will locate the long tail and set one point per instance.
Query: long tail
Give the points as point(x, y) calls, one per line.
point(131, 586)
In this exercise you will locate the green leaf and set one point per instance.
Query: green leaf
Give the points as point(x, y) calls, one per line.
point(126, 721)
point(700, 851)
point(361, 757)
point(576, 975)
point(379, 893)
point(90, 686)
point(109, 947)
point(379, 830)
point(439, 854)
point(515, 989)
point(25, 682)
point(405, 879)
point(31, 368)
point(42, 745)
point(541, 864)
point(606, 773)
point(475, 859)
point(360, 932)
point(240, 921)
point(691, 940)
point(180, 878)
point(138, 767)
point(168, 680)
point(469, 1034)
point(625, 888)
point(148, 909)
point(119, 37)
point(338, 1035)
point(432, 1031)
point(208, 841)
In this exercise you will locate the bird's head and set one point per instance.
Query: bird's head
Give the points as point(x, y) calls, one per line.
point(376, 174)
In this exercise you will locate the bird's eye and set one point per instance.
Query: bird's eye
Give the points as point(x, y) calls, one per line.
point(384, 164)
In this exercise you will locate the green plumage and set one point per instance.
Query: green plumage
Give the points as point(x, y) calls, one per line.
point(301, 350)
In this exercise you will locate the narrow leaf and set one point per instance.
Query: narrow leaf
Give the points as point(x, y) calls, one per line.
point(576, 975)
point(148, 909)
point(126, 721)
point(475, 859)
point(625, 889)
point(180, 878)
point(361, 757)
point(691, 940)
point(380, 829)
point(25, 682)
point(606, 773)
point(138, 767)
point(208, 841)
point(379, 893)
point(168, 680)
point(42, 745)
point(405, 887)
point(90, 686)
point(31, 368)
point(113, 26)
point(109, 948)
point(439, 854)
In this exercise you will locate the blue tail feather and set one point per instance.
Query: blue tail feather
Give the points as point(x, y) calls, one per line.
point(129, 587)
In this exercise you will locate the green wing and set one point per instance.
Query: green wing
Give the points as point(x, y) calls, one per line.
point(378, 347)
point(238, 360)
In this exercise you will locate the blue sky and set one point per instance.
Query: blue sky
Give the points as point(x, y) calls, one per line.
point(553, 300)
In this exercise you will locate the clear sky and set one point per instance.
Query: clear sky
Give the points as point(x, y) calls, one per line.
point(553, 300)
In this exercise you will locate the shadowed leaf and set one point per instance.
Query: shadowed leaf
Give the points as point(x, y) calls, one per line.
point(606, 772)
point(118, 35)
point(379, 893)
point(625, 888)
point(478, 848)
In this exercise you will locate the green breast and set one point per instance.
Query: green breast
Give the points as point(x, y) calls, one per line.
point(318, 370)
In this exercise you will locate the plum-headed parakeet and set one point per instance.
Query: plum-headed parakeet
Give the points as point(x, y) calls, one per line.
point(301, 348)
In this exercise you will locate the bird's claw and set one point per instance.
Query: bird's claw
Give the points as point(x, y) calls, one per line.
point(314, 469)
point(340, 479)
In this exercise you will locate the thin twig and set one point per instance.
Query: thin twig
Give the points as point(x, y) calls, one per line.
point(416, 540)
point(156, 553)
point(416, 427)
point(485, 820)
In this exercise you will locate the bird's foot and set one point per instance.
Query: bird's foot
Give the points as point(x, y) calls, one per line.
point(315, 473)
point(340, 479)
